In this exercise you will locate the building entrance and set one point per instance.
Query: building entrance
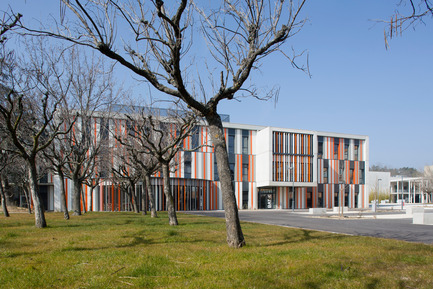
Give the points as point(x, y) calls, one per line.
point(267, 197)
point(309, 200)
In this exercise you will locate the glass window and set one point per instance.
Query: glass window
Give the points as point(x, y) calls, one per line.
point(195, 138)
point(187, 167)
point(231, 140)
point(356, 152)
point(361, 176)
point(245, 172)
point(245, 142)
point(320, 147)
point(341, 172)
point(216, 176)
point(129, 125)
point(336, 143)
point(104, 128)
point(351, 176)
point(325, 175)
point(346, 149)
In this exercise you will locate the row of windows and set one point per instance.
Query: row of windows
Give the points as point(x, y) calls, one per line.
point(339, 144)
point(245, 141)
point(342, 173)
point(292, 143)
point(289, 169)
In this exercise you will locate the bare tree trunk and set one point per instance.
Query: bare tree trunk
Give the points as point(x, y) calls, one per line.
point(63, 205)
point(34, 191)
point(3, 199)
point(151, 195)
point(143, 198)
point(76, 206)
point(26, 194)
point(83, 198)
point(91, 198)
point(172, 219)
point(235, 237)
point(7, 191)
point(134, 198)
point(136, 206)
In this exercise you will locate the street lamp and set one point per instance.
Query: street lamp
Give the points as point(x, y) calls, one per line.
point(341, 192)
point(376, 199)
point(341, 197)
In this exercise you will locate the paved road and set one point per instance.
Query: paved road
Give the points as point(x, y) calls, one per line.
point(397, 226)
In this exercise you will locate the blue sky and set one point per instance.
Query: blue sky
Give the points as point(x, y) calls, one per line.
point(357, 86)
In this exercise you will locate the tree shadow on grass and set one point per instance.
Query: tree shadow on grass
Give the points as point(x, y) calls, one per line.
point(301, 236)
point(139, 239)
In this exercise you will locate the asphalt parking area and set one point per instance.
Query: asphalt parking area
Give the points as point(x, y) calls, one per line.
point(395, 225)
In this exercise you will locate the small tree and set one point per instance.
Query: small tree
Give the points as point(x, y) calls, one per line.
point(148, 165)
point(128, 174)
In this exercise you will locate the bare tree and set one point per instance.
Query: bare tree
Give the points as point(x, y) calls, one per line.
point(89, 95)
point(159, 47)
point(409, 14)
point(6, 160)
point(162, 138)
point(128, 173)
point(56, 155)
point(28, 106)
point(148, 165)
point(19, 177)
point(427, 184)
point(8, 22)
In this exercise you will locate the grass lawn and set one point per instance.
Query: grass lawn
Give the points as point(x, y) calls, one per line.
point(127, 250)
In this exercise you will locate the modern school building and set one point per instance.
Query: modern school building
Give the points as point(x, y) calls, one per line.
point(272, 168)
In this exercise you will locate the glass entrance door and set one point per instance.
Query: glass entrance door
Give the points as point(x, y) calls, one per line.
point(267, 198)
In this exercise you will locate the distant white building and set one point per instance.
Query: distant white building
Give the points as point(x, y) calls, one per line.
point(378, 182)
point(411, 190)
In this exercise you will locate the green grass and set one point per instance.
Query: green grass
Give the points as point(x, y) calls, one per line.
point(126, 250)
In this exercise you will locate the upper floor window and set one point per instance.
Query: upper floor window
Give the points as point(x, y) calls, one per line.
point(245, 142)
point(231, 141)
point(361, 177)
point(244, 172)
point(195, 134)
point(325, 175)
point(356, 152)
point(104, 127)
point(341, 172)
point(336, 145)
point(346, 149)
point(320, 147)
